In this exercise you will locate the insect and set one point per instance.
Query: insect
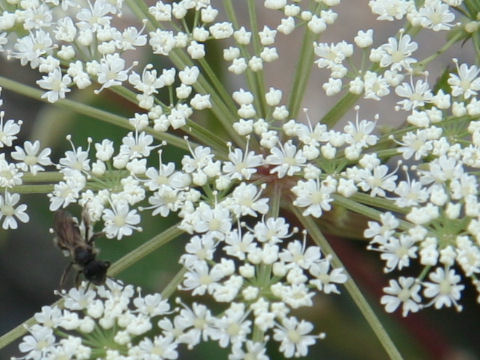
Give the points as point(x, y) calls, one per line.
point(77, 241)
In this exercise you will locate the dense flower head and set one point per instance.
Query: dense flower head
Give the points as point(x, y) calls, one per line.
point(239, 185)
point(116, 320)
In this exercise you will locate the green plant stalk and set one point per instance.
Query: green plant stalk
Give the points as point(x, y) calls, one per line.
point(143, 250)
point(206, 137)
point(217, 84)
point(87, 110)
point(422, 64)
point(251, 77)
point(339, 109)
point(367, 210)
point(32, 189)
point(44, 176)
point(385, 204)
point(302, 73)
point(357, 296)
point(116, 268)
point(275, 200)
point(225, 113)
point(258, 75)
point(173, 284)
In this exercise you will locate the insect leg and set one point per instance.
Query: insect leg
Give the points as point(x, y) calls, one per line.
point(94, 236)
point(64, 275)
point(77, 279)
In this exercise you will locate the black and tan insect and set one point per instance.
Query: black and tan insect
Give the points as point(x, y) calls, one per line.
point(77, 241)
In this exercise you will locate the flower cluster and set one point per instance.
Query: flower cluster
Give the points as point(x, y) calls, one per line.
point(26, 159)
point(255, 270)
point(241, 182)
point(113, 321)
point(110, 322)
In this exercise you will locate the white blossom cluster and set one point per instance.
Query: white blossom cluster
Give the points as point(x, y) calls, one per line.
point(113, 321)
point(441, 203)
point(262, 267)
point(108, 322)
point(28, 158)
point(242, 251)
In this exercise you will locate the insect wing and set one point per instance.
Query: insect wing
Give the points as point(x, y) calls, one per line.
point(68, 235)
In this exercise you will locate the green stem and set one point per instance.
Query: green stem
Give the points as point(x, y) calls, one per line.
point(357, 296)
point(275, 199)
point(258, 76)
point(384, 204)
point(250, 77)
point(32, 189)
point(422, 64)
point(173, 284)
point(339, 109)
point(367, 210)
point(302, 73)
point(143, 250)
point(226, 115)
point(206, 137)
point(21, 329)
point(214, 81)
point(45, 176)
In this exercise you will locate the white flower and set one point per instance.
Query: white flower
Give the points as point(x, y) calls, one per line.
point(254, 350)
point(76, 160)
point(232, 327)
point(273, 230)
point(300, 255)
point(416, 95)
point(327, 278)
point(199, 318)
point(68, 191)
point(158, 348)
point(30, 48)
point(8, 130)
point(38, 343)
point(435, 15)
point(9, 174)
point(241, 165)
point(239, 245)
point(405, 292)
point(200, 278)
point(364, 38)
point(377, 181)
point(375, 86)
point(246, 200)
point(314, 195)
point(359, 134)
point(294, 337)
point(444, 289)
point(120, 220)
point(467, 82)
point(56, 83)
point(396, 54)
point(49, 316)
point(30, 158)
point(397, 252)
point(9, 212)
point(198, 248)
point(390, 9)
point(287, 159)
point(111, 71)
